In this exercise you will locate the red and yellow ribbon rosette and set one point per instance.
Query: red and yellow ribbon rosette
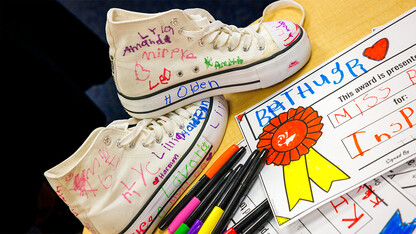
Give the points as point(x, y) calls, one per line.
point(289, 138)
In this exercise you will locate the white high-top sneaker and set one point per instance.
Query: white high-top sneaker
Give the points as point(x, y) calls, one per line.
point(125, 177)
point(166, 60)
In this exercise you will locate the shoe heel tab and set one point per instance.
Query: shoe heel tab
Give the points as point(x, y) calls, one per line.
point(119, 16)
point(283, 3)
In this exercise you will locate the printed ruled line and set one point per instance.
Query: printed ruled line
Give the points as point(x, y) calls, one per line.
point(399, 191)
point(387, 154)
point(378, 103)
point(400, 173)
point(374, 122)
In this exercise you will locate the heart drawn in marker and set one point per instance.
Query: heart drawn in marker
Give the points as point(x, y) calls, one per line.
point(141, 73)
point(156, 181)
point(378, 51)
point(240, 117)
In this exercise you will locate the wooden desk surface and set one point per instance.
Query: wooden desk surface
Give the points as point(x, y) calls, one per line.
point(332, 26)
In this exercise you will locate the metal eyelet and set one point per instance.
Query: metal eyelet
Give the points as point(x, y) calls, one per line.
point(144, 145)
point(118, 144)
point(245, 49)
point(132, 145)
point(181, 31)
point(107, 141)
point(214, 47)
point(261, 48)
point(196, 69)
point(158, 141)
point(171, 134)
point(174, 22)
point(201, 43)
point(181, 126)
point(230, 50)
point(179, 73)
point(190, 39)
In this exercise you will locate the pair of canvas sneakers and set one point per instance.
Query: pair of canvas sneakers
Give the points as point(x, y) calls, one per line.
point(168, 68)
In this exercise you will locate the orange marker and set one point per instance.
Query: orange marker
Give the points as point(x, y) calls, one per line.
point(221, 161)
point(217, 166)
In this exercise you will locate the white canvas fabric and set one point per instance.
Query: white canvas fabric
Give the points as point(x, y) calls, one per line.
point(126, 176)
point(165, 60)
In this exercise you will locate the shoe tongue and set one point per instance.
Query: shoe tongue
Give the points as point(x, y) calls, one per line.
point(201, 17)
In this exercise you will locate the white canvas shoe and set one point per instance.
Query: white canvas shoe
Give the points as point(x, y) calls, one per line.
point(165, 60)
point(125, 177)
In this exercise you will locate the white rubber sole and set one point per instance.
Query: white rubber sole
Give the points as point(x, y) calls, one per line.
point(260, 74)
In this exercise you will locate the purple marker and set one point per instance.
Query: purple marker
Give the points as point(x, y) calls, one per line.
point(197, 224)
point(184, 227)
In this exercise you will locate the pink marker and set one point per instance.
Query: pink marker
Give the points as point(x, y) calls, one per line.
point(183, 215)
point(217, 171)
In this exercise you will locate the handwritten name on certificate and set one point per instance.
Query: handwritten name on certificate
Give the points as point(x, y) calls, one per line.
point(344, 123)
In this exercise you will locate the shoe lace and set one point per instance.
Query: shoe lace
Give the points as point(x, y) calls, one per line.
point(152, 130)
point(220, 34)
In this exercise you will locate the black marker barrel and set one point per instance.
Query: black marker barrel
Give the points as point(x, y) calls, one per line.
point(218, 210)
point(205, 180)
point(241, 191)
point(259, 222)
point(252, 216)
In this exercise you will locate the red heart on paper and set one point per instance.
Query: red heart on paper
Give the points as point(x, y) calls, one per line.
point(156, 181)
point(378, 51)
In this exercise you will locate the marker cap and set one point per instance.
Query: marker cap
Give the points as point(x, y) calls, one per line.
point(221, 161)
point(232, 150)
point(208, 199)
point(229, 231)
point(183, 229)
point(207, 210)
point(182, 203)
point(195, 227)
point(185, 212)
point(211, 221)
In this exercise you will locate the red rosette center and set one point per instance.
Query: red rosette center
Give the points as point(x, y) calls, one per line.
point(289, 135)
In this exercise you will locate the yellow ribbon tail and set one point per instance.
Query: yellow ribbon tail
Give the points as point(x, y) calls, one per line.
point(281, 220)
point(321, 171)
point(297, 182)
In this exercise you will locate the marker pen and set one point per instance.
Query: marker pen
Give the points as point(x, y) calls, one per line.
point(259, 222)
point(199, 221)
point(194, 202)
point(184, 227)
point(241, 191)
point(249, 218)
point(198, 186)
point(218, 210)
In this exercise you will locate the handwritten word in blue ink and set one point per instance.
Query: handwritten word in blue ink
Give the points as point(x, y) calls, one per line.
point(200, 114)
point(190, 89)
point(306, 90)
